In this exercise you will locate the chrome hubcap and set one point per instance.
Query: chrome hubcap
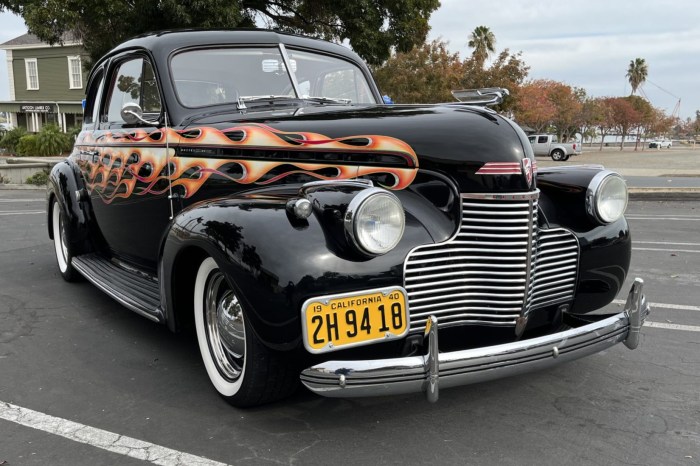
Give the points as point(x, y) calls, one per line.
point(225, 327)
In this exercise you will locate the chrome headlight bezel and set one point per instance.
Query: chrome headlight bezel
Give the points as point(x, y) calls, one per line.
point(354, 212)
point(598, 191)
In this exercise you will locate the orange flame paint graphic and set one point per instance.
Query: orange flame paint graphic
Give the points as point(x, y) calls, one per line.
point(136, 163)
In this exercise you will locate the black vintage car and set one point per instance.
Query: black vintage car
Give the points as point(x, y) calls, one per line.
point(254, 187)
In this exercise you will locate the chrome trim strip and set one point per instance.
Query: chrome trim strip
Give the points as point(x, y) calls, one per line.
point(288, 65)
point(418, 373)
point(526, 196)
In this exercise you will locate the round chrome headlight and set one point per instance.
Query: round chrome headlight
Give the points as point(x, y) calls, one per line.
point(375, 221)
point(607, 197)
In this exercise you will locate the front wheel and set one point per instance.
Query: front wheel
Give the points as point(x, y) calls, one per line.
point(243, 370)
point(558, 155)
point(62, 245)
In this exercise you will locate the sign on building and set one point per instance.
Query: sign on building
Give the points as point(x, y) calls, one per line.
point(36, 108)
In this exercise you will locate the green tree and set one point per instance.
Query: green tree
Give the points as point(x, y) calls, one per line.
point(51, 141)
point(483, 41)
point(372, 27)
point(637, 73)
point(426, 74)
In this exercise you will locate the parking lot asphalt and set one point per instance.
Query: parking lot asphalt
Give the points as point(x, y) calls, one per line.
point(70, 352)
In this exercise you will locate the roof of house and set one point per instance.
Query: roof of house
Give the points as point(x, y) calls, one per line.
point(31, 39)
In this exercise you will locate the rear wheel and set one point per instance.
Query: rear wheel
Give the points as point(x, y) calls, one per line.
point(558, 155)
point(61, 242)
point(241, 368)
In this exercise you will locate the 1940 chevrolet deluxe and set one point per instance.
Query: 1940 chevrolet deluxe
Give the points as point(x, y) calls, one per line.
point(253, 186)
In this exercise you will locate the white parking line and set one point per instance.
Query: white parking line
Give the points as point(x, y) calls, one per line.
point(21, 212)
point(687, 328)
point(682, 307)
point(99, 438)
point(38, 199)
point(667, 250)
point(665, 242)
point(690, 219)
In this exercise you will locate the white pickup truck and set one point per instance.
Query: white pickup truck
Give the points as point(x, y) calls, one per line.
point(548, 144)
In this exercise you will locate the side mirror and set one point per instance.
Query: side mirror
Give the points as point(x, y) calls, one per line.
point(132, 114)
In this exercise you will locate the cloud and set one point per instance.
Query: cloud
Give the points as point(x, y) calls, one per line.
point(590, 43)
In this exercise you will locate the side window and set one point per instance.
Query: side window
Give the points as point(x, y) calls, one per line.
point(542, 140)
point(532, 139)
point(134, 82)
point(92, 101)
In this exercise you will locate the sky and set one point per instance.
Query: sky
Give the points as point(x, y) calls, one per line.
point(584, 43)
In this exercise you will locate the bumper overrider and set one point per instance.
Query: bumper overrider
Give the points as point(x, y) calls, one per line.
point(437, 370)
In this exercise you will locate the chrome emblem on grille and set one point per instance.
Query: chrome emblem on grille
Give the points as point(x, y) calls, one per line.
point(527, 171)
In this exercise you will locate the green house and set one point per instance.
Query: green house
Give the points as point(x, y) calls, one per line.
point(47, 83)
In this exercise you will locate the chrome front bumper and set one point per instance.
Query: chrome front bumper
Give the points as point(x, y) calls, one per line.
point(443, 370)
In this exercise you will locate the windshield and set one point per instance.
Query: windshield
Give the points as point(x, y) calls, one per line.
point(325, 76)
point(206, 77)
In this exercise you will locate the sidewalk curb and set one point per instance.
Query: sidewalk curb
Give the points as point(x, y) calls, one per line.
point(11, 186)
point(664, 194)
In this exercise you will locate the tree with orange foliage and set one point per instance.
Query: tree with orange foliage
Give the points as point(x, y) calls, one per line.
point(624, 117)
point(534, 108)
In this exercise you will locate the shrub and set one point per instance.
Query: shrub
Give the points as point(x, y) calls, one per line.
point(39, 178)
point(51, 141)
point(73, 135)
point(11, 139)
point(27, 146)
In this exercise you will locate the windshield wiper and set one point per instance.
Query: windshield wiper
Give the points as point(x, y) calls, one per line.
point(327, 100)
point(241, 104)
point(261, 98)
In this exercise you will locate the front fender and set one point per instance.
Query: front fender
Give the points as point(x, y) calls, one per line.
point(274, 261)
point(605, 250)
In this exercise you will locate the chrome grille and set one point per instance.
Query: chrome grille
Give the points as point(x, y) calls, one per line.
point(496, 268)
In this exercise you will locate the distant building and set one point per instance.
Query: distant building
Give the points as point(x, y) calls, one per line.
point(47, 83)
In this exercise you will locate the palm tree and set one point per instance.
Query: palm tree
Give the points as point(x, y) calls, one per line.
point(637, 73)
point(483, 41)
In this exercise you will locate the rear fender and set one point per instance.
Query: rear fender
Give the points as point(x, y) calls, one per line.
point(65, 185)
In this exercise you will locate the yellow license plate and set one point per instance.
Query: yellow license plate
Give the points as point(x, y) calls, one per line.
point(342, 321)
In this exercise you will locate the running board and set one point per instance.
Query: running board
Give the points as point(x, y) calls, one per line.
point(137, 292)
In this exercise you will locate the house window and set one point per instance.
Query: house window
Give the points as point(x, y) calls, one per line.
point(32, 74)
point(75, 75)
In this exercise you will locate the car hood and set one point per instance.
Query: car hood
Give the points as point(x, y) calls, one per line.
point(479, 149)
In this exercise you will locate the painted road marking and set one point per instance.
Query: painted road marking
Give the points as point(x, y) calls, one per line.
point(667, 250)
point(38, 199)
point(686, 328)
point(681, 307)
point(99, 438)
point(665, 242)
point(690, 219)
point(22, 212)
